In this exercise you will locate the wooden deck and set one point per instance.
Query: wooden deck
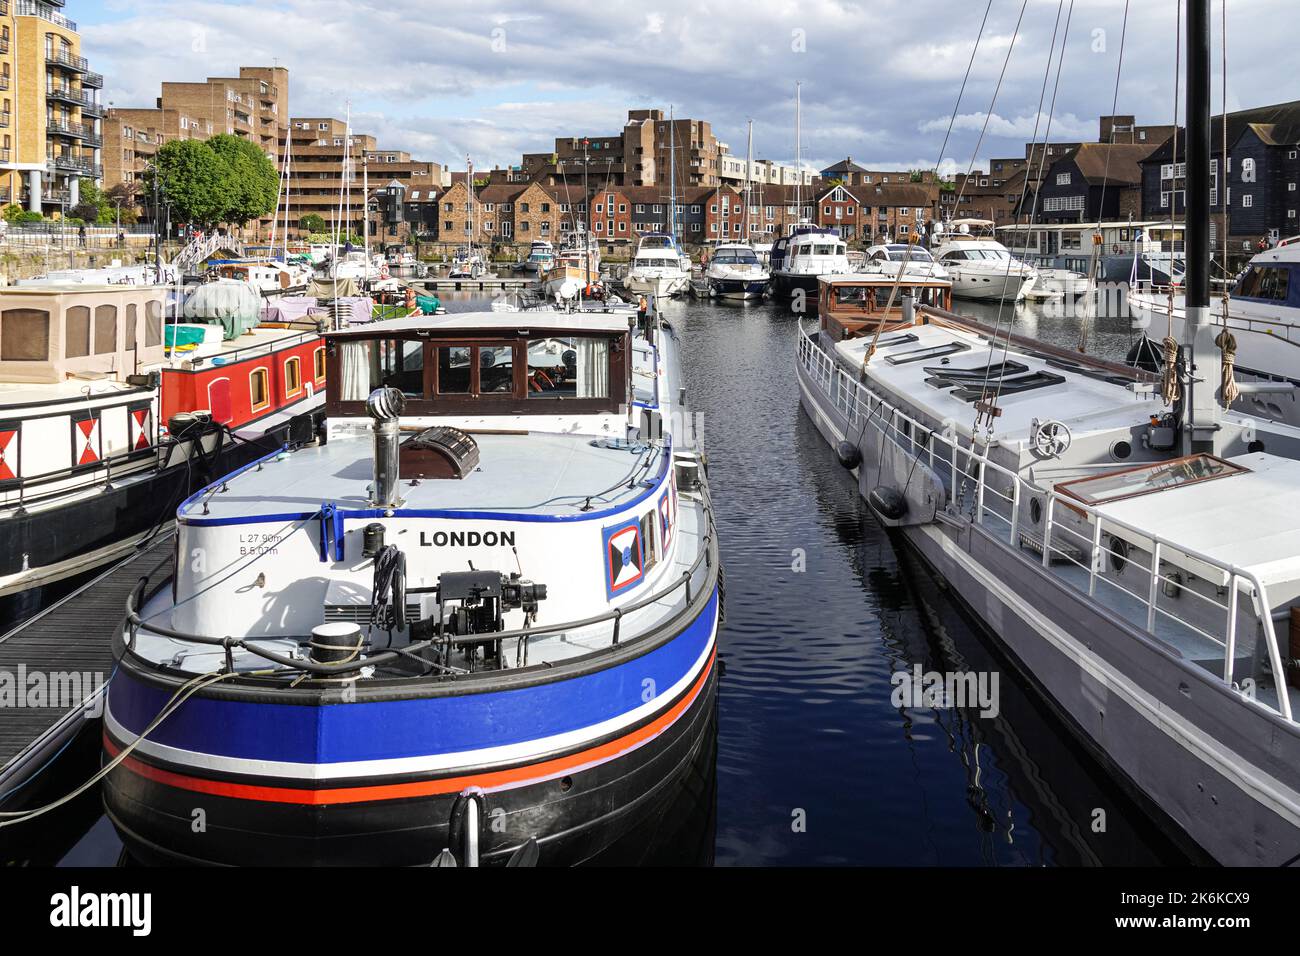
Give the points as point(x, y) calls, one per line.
point(72, 635)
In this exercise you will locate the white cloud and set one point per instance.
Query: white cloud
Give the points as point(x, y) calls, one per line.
point(426, 78)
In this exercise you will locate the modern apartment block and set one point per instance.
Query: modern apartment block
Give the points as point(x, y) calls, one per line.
point(50, 133)
point(253, 106)
point(319, 147)
point(132, 138)
point(638, 156)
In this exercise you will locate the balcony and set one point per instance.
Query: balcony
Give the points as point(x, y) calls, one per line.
point(5, 117)
point(75, 164)
point(82, 132)
point(66, 60)
point(92, 80)
point(4, 81)
point(34, 8)
point(4, 44)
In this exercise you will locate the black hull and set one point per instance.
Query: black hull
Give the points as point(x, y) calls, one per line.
point(652, 804)
point(784, 286)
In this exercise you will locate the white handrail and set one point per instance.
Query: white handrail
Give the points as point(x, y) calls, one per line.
point(814, 358)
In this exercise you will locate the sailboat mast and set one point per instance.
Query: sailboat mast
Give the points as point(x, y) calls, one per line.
point(749, 182)
point(672, 177)
point(798, 155)
point(1202, 356)
point(469, 182)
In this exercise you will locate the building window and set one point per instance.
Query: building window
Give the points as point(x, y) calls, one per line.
point(24, 335)
point(1247, 201)
point(1062, 179)
point(259, 392)
point(1247, 170)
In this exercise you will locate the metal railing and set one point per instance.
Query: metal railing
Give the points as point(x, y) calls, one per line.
point(71, 61)
point(34, 8)
point(993, 496)
point(616, 623)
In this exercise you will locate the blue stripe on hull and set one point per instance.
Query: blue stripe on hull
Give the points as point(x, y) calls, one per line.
point(379, 730)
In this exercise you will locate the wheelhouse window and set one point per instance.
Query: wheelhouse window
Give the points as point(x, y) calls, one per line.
point(24, 335)
point(105, 329)
point(454, 369)
point(511, 370)
point(575, 367)
point(318, 364)
point(76, 332)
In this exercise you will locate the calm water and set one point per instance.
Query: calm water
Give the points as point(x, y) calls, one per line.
point(815, 765)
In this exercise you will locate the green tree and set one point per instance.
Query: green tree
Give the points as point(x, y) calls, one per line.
point(195, 180)
point(254, 183)
point(312, 223)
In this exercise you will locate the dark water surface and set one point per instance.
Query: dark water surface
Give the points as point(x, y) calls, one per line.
point(815, 764)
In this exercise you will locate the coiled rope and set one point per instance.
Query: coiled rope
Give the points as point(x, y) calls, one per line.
point(1170, 388)
point(1227, 343)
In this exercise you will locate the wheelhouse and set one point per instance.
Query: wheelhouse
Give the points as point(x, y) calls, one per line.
point(568, 364)
point(850, 307)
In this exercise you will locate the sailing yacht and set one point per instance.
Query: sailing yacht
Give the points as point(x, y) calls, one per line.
point(980, 266)
point(575, 269)
point(1134, 547)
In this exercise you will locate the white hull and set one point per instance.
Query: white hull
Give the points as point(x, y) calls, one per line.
point(989, 286)
point(657, 285)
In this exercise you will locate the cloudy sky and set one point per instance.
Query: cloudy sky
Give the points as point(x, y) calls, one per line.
point(880, 77)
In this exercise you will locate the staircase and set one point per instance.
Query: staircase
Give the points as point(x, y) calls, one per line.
point(203, 247)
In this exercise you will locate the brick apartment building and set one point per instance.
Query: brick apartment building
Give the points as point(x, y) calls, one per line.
point(640, 155)
point(319, 147)
point(502, 213)
point(867, 213)
point(253, 106)
point(50, 136)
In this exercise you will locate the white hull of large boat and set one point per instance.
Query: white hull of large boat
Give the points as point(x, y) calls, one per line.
point(659, 284)
point(990, 285)
point(1215, 764)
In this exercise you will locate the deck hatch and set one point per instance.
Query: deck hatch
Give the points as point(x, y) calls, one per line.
point(920, 355)
point(1010, 386)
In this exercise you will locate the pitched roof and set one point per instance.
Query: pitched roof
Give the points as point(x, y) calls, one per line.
point(1280, 122)
point(845, 165)
point(900, 194)
point(1106, 163)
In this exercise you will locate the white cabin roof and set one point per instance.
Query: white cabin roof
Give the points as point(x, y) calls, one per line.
point(472, 322)
point(1251, 519)
point(1083, 404)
